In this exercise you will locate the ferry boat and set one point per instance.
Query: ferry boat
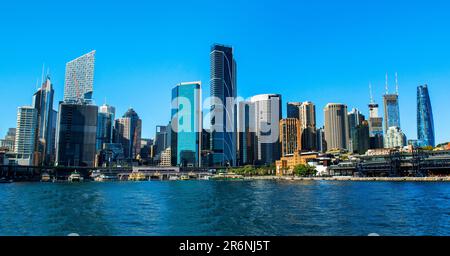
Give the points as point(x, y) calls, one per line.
point(75, 177)
point(137, 176)
point(45, 177)
point(185, 177)
point(227, 176)
point(105, 177)
point(5, 181)
point(174, 178)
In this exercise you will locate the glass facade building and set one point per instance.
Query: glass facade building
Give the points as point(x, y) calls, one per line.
point(425, 122)
point(223, 110)
point(187, 124)
point(79, 79)
point(77, 133)
point(128, 133)
point(391, 111)
point(105, 125)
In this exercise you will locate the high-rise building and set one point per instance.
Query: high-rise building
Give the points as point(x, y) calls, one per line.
point(375, 124)
point(320, 140)
point(46, 123)
point(336, 126)
point(391, 107)
point(26, 135)
point(223, 107)
point(187, 124)
point(425, 122)
point(290, 136)
point(79, 79)
point(246, 133)
point(128, 133)
point(162, 139)
point(395, 138)
point(76, 135)
point(267, 127)
point(355, 119)
point(9, 141)
point(293, 109)
point(105, 125)
point(361, 138)
point(307, 117)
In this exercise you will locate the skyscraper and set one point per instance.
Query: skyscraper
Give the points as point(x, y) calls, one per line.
point(9, 141)
point(293, 109)
point(105, 125)
point(425, 122)
point(79, 79)
point(26, 135)
point(336, 126)
point(307, 117)
point(391, 107)
point(187, 124)
point(162, 141)
point(128, 133)
point(223, 108)
point(267, 116)
point(290, 136)
point(46, 123)
point(355, 119)
point(77, 133)
point(375, 124)
point(360, 138)
point(246, 133)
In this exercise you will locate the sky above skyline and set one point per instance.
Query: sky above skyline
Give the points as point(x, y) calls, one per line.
point(323, 52)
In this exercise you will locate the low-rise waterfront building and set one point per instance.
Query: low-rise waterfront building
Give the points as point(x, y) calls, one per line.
point(286, 165)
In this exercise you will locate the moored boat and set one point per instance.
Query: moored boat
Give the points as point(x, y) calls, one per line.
point(75, 177)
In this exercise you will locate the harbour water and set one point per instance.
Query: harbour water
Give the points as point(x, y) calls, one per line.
point(258, 207)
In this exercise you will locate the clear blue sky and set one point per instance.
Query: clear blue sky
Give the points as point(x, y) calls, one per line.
point(323, 51)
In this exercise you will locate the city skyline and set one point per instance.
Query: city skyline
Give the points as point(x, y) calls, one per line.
point(140, 73)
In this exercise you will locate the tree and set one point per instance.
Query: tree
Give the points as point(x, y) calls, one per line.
point(304, 170)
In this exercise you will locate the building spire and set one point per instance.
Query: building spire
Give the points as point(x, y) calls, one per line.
point(387, 87)
point(42, 74)
point(396, 83)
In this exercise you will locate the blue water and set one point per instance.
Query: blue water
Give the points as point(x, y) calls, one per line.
point(225, 208)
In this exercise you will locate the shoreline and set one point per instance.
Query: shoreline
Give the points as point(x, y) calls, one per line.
point(362, 179)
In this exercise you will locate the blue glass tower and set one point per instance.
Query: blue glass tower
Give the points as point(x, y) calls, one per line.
point(425, 123)
point(186, 124)
point(223, 115)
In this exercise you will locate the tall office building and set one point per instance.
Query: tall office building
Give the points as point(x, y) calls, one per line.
point(246, 133)
point(79, 79)
point(223, 108)
point(375, 124)
point(9, 141)
point(293, 109)
point(307, 117)
point(187, 124)
point(320, 140)
point(267, 116)
point(46, 123)
point(425, 122)
point(355, 119)
point(361, 138)
point(290, 136)
point(128, 133)
point(77, 133)
point(105, 125)
point(27, 121)
point(336, 126)
point(391, 107)
point(162, 139)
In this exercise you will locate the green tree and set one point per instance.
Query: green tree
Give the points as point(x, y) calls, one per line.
point(304, 170)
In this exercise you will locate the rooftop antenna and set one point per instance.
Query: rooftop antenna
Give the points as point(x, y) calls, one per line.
point(387, 88)
point(371, 94)
point(42, 74)
point(396, 83)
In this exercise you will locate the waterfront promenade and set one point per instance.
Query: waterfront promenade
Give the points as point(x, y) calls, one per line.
point(343, 178)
